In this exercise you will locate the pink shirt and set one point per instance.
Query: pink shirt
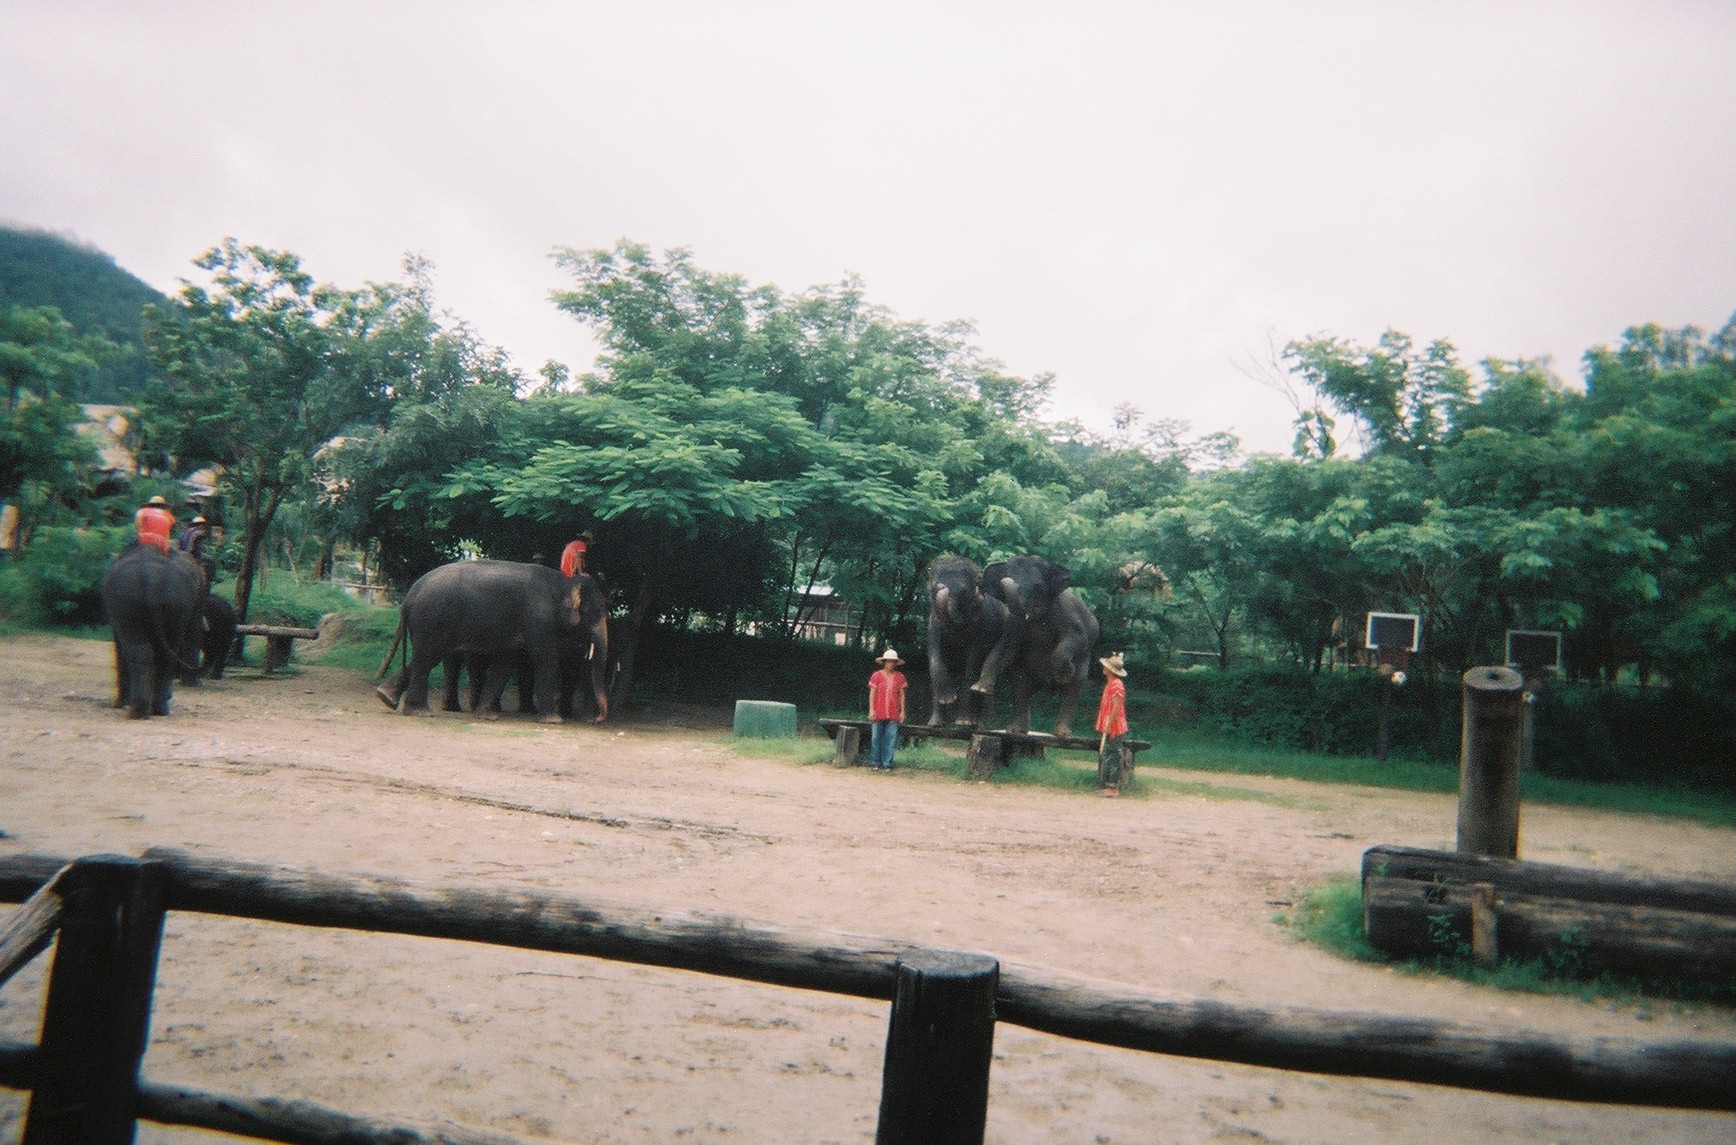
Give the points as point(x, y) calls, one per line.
point(1112, 708)
point(886, 695)
point(154, 525)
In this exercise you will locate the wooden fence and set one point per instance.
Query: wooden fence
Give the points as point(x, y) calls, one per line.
point(108, 913)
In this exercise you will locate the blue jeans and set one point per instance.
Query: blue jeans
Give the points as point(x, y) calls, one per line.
point(882, 742)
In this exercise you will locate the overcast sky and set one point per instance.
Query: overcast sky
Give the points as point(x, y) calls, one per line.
point(1135, 197)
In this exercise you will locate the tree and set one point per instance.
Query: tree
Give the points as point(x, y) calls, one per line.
point(253, 379)
point(1404, 402)
point(41, 358)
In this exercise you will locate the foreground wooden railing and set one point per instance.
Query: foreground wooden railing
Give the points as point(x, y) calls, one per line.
point(935, 1083)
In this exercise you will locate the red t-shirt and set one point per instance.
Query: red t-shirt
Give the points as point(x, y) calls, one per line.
point(1112, 708)
point(886, 695)
point(570, 557)
point(155, 525)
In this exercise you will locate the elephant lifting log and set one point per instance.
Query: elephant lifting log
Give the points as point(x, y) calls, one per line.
point(498, 611)
point(1056, 635)
point(152, 600)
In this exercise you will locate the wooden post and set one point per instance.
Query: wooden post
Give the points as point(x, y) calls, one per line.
point(935, 1090)
point(849, 752)
point(97, 1016)
point(1489, 751)
point(1485, 943)
point(984, 756)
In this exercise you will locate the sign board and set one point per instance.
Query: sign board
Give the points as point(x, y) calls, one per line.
point(1533, 651)
point(1394, 630)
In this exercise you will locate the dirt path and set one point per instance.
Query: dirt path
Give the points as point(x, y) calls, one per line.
point(1174, 893)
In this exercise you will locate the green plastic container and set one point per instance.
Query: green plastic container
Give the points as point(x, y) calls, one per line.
point(765, 719)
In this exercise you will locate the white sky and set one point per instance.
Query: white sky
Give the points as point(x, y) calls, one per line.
point(1133, 196)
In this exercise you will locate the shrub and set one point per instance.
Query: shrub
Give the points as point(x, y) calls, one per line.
point(58, 579)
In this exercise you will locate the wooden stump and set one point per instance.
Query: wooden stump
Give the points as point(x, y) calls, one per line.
point(1489, 762)
point(849, 752)
point(984, 757)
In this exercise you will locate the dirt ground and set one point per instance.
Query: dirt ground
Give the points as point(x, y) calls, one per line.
point(1171, 892)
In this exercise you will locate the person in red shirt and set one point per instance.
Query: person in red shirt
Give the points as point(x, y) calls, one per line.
point(885, 710)
point(573, 558)
point(155, 524)
point(1111, 724)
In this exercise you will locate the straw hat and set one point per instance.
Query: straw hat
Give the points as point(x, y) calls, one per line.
point(1113, 665)
point(890, 654)
point(157, 500)
point(199, 521)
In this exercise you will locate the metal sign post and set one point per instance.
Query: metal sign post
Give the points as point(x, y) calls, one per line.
point(1393, 636)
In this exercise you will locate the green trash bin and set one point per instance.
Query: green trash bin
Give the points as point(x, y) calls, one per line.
point(765, 719)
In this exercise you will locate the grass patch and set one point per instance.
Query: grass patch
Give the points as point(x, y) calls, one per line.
point(1191, 751)
point(1331, 917)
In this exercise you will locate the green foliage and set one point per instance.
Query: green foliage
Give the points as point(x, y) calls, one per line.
point(58, 578)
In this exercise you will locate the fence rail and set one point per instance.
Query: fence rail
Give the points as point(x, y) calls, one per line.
point(1684, 1073)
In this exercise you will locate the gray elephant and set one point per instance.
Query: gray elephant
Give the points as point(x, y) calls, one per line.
point(152, 601)
point(1057, 633)
point(971, 641)
point(497, 610)
point(217, 636)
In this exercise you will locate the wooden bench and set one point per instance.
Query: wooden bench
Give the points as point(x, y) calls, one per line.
point(988, 748)
point(279, 639)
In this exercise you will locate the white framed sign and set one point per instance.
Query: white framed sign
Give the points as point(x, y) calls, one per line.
point(1532, 650)
point(1394, 630)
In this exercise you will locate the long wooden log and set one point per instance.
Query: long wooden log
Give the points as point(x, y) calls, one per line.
point(1692, 1074)
point(1416, 919)
point(295, 1122)
point(31, 927)
point(280, 630)
point(1546, 879)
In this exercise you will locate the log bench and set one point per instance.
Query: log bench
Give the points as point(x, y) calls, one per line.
point(1420, 903)
point(988, 748)
point(279, 639)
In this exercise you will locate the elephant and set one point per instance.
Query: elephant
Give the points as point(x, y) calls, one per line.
point(575, 667)
point(1057, 633)
point(217, 636)
point(152, 601)
point(971, 640)
point(496, 610)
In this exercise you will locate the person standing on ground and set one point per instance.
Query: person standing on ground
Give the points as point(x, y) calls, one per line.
point(885, 710)
point(155, 524)
point(1111, 725)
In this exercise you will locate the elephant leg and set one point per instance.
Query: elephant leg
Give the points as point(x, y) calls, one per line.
point(547, 666)
point(496, 671)
point(524, 682)
point(415, 696)
point(392, 690)
point(123, 685)
point(450, 669)
point(1069, 705)
point(1021, 720)
point(162, 677)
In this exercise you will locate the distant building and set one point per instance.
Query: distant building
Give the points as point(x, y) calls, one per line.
point(820, 614)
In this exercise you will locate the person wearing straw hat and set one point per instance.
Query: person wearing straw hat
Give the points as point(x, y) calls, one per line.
point(885, 710)
point(1111, 724)
point(155, 524)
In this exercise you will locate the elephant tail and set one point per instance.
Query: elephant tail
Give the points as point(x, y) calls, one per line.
point(397, 640)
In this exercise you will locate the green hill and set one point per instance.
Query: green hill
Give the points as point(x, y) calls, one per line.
point(41, 268)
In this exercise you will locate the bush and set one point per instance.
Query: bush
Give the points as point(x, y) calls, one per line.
point(58, 579)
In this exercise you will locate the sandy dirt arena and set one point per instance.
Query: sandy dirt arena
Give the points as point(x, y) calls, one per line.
point(1170, 892)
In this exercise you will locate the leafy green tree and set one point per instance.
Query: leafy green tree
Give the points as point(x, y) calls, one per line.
point(41, 359)
point(1403, 401)
point(253, 380)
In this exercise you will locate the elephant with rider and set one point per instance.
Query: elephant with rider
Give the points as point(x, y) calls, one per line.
point(495, 612)
point(971, 640)
point(1057, 633)
point(153, 603)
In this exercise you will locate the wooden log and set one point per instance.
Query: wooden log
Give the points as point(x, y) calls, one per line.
point(1413, 919)
point(1691, 1074)
point(984, 757)
point(849, 752)
point(31, 927)
point(1549, 879)
point(295, 1121)
point(939, 1043)
point(97, 1014)
point(1489, 750)
point(284, 630)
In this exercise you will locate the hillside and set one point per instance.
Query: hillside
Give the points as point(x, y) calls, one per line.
point(42, 268)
